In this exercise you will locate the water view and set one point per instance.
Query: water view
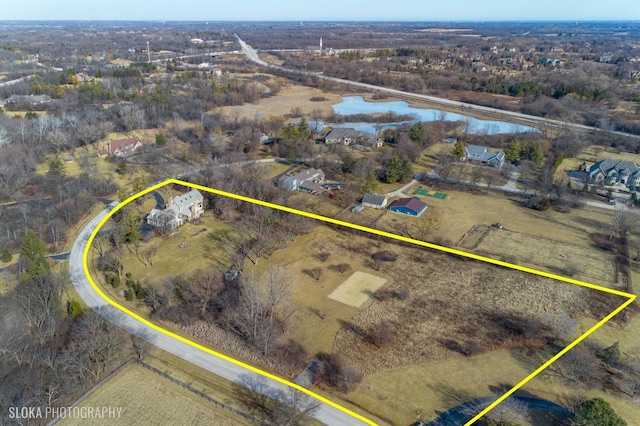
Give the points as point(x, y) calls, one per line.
point(357, 105)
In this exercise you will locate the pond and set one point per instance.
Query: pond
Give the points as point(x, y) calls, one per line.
point(357, 105)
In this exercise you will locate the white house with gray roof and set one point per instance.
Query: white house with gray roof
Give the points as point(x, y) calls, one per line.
point(185, 207)
point(374, 201)
point(482, 155)
point(612, 172)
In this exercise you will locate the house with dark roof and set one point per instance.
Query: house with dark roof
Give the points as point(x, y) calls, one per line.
point(410, 206)
point(185, 207)
point(374, 201)
point(309, 180)
point(120, 148)
point(349, 136)
point(612, 172)
point(482, 155)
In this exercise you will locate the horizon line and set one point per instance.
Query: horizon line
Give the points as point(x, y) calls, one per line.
point(480, 21)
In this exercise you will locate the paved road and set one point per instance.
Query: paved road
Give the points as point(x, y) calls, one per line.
point(457, 105)
point(326, 413)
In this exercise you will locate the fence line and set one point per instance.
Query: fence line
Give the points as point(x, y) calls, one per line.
point(200, 394)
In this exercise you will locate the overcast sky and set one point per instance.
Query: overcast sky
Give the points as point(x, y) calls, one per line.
point(349, 10)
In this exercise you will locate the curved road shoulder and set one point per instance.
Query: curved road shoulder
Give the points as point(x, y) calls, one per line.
point(218, 364)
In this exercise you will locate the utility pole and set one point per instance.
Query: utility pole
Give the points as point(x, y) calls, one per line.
point(148, 52)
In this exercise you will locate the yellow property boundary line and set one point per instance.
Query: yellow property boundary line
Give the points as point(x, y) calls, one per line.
point(630, 297)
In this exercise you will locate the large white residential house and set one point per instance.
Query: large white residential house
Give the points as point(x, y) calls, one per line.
point(612, 172)
point(185, 207)
point(482, 155)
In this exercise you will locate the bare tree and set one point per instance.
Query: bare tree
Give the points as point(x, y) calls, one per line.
point(41, 125)
point(39, 299)
point(561, 326)
point(424, 226)
point(262, 309)
point(132, 116)
point(4, 137)
point(55, 233)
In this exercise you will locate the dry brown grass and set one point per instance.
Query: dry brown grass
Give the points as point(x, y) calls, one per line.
point(147, 398)
point(289, 97)
point(582, 263)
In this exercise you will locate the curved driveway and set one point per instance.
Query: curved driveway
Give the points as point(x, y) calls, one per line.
point(230, 371)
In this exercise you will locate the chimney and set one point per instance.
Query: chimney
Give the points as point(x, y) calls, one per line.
point(170, 203)
point(108, 148)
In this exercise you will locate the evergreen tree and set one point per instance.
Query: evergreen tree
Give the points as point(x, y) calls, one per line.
point(596, 412)
point(533, 151)
point(416, 134)
point(513, 151)
point(33, 250)
point(6, 256)
point(348, 162)
point(57, 168)
point(458, 150)
point(612, 354)
point(161, 139)
point(129, 232)
point(368, 182)
point(393, 169)
point(406, 168)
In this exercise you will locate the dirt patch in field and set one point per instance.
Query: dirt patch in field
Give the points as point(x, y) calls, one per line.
point(357, 289)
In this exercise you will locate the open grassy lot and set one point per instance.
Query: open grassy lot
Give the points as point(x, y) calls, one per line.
point(289, 98)
point(189, 247)
point(429, 158)
point(582, 263)
point(318, 318)
point(146, 398)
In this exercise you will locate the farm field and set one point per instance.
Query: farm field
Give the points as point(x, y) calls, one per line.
point(147, 398)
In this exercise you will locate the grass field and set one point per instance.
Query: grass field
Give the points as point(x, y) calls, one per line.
point(289, 98)
point(582, 263)
point(146, 398)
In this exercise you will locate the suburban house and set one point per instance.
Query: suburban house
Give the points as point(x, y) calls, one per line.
point(349, 136)
point(309, 180)
point(480, 154)
point(120, 148)
point(185, 207)
point(613, 172)
point(411, 206)
point(374, 201)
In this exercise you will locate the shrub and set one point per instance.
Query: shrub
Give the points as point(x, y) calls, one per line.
point(74, 309)
point(334, 373)
point(6, 256)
